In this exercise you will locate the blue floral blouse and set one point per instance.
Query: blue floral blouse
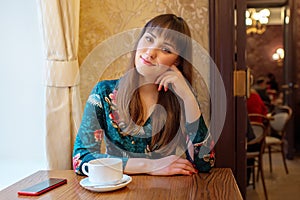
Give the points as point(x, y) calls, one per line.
point(100, 124)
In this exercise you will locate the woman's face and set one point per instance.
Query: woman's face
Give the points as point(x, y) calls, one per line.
point(154, 55)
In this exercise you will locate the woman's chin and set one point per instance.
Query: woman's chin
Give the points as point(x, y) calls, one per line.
point(152, 72)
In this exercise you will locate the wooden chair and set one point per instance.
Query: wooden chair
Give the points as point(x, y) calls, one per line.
point(256, 117)
point(281, 115)
point(260, 131)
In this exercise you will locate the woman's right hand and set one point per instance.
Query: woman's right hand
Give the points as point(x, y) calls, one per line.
point(171, 165)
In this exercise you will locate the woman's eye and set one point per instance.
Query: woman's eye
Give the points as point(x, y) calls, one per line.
point(148, 38)
point(167, 50)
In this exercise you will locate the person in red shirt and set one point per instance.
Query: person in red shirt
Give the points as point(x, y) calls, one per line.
point(256, 105)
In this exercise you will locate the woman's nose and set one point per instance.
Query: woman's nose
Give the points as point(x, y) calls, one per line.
point(151, 52)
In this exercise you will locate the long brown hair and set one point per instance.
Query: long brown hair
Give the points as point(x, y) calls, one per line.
point(165, 25)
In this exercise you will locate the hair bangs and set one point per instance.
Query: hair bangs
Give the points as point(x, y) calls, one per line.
point(173, 29)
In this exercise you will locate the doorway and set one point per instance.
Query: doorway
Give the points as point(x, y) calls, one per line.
point(227, 48)
point(272, 52)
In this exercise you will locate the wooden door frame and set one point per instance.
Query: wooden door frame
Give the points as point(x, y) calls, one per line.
point(290, 75)
point(227, 49)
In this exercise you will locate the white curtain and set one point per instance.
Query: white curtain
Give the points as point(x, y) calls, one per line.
point(60, 24)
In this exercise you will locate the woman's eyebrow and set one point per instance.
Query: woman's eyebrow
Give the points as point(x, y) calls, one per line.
point(166, 43)
point(152, 34)
point(169, 44)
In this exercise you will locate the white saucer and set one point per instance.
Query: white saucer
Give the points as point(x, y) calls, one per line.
point(105, 188)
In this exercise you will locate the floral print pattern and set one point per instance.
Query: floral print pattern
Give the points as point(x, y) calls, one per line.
point(102, 123)
point(76, 162)
point(114, 114)
point(98, 135)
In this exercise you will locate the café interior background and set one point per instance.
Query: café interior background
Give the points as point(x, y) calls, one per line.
point(22, 148)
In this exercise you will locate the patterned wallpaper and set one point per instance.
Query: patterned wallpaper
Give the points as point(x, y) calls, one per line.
point(102, 19)
point(259, 51)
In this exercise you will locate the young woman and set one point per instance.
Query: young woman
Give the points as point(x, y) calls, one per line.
point(150, 117)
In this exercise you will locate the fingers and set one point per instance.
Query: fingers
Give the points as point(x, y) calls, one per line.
point(165, 79)
point(185, 164)
point(174, 165)
point(171, 76)
point(185, 169)
point(182, 166)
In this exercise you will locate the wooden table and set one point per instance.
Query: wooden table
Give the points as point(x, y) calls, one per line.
point(219, 184)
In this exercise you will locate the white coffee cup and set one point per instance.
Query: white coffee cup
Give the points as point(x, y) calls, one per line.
point(103, 170)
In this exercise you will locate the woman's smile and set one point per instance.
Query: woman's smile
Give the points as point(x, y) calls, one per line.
point(146, 62)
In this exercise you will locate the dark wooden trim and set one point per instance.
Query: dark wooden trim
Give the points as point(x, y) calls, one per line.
point(230, 148)
point(212, 30)
point(290, 79)
point(222, 52)
point(241, 108)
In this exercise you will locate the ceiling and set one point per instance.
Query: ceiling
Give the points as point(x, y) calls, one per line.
point(276, 16)
point(276, 8)
point(266, 3)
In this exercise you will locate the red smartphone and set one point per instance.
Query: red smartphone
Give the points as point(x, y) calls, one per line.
point(43, 187)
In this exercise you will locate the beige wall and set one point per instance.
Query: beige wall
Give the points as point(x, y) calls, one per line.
point(101, 19)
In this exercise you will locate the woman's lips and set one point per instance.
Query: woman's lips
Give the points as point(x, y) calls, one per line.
point(146, 62)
